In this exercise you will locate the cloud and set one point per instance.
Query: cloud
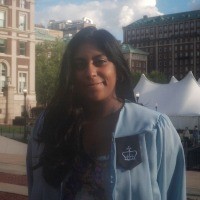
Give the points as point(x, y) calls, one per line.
point(109, 14)
point(194, 4)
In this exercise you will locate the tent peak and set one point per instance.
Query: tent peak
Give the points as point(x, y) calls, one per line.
point(173, 80)
point(189, 77)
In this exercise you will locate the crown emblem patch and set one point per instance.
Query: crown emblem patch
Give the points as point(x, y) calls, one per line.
point(129, 155)
point(128, 152)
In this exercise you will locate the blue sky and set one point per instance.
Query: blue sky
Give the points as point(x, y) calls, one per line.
point(109, 14)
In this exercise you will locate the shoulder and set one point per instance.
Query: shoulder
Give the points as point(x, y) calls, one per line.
point(140, 118)
point(38, 126)
point(33, 144)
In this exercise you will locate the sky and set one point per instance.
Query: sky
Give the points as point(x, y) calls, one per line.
point(111, 15)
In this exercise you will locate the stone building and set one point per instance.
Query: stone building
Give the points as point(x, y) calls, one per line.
point(69, 27)
point(172, 41)
point(136, 58)
point(17, 58)
point(44, 34)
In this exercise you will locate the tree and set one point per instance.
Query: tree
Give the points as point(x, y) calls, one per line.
point(135, 77)
point(48, 59)
point(157, 77)
point(154, 76)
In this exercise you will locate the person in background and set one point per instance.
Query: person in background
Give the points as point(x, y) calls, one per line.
point(187, 133)
point(195, 136)
point(187, 138)
point(93, 141)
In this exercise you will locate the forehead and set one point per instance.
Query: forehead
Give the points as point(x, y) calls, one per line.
point(88, 49)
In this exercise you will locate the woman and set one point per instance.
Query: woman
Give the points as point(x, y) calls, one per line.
point(93, 142)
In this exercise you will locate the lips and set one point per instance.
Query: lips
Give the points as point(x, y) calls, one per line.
point(94, 84)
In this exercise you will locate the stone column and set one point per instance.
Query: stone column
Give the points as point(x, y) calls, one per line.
point(9, 103)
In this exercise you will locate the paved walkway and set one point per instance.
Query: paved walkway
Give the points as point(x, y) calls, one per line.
point(193, 185)
point(13, 182)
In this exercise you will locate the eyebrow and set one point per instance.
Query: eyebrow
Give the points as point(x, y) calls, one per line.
point(94, 57)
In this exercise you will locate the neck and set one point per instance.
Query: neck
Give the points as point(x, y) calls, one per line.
point(98, 110)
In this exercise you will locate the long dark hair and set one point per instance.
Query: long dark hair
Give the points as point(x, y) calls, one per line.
point(63, 116)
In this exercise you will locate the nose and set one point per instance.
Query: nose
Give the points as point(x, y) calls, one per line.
point(91, 70)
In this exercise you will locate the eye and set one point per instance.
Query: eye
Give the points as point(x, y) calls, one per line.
point(100, 62)
point(80, 64)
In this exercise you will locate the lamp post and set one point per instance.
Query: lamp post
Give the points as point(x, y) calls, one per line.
point(25, 111)
point(137, 95)
point(156, 106)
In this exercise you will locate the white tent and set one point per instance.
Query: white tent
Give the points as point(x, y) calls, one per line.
point(180, 100)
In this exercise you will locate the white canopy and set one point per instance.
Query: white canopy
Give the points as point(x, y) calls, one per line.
point(177, 98)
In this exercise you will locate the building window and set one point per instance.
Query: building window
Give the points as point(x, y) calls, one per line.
point(3, 75)
point(22, 48)
point(2, 19)
point(22, 82)
point(22, 22)
point(22, 4)
point(2, 46)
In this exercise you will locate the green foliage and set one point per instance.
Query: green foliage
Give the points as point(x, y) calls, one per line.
point(157, 77)
point(135, 77)
point(11, 129)
point(154, 76)
point(48, 59)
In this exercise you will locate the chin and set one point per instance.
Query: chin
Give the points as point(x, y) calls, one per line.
point(94, 99)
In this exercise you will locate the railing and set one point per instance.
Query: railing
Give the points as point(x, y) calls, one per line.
point(192, 153)
point(192, 157)
point(14, 132)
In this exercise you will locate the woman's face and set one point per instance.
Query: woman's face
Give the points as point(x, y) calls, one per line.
point(95, 75)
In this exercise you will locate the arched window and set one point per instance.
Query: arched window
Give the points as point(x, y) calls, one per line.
point(3, 75)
